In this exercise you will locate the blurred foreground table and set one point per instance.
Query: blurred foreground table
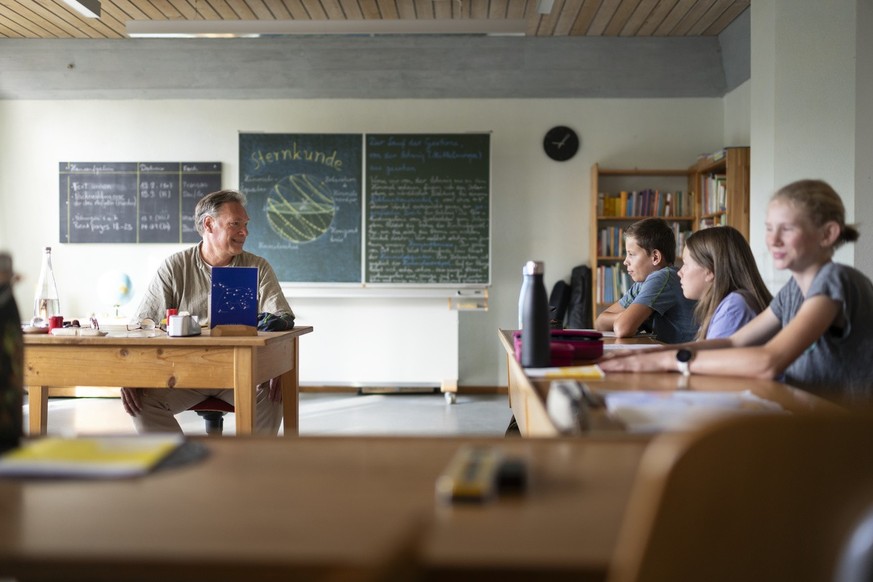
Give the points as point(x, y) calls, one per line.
point(269, 509)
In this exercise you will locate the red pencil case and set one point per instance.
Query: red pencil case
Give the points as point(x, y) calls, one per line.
point(568, 346)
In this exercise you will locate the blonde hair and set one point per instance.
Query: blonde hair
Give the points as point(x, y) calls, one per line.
point(820, 204)
point(724, 252)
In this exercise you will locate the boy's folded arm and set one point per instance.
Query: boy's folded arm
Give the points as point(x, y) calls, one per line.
point(629, 321)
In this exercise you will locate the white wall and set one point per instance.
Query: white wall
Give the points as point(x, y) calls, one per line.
point(737, 116)
point(803, 106)
point(540, 207)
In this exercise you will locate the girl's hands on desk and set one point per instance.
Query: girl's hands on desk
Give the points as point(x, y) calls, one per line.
point(656, 360)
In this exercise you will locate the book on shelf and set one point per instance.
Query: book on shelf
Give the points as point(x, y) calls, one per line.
point(645, 203)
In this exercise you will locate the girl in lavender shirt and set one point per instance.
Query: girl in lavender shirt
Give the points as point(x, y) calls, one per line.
point(719, 272)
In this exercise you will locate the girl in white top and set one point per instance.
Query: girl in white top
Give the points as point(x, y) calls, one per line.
point(818, 330)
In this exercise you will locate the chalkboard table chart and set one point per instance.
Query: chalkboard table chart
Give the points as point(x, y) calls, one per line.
point(133, 202)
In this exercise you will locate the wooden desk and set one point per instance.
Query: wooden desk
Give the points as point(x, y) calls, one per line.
point(240, 363)
point(527, 397)
point(270, 509)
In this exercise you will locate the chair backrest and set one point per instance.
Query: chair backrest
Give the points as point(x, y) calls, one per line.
point(757, 498)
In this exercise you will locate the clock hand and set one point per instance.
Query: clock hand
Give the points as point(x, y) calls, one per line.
point(560, 144)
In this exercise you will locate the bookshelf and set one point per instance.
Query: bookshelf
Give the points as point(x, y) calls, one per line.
point(722, 183)
point(713, 191)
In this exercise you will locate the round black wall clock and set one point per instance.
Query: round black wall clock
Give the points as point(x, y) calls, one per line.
point(561, 143)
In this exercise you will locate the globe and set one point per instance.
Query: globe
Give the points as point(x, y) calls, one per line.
point(115, 288)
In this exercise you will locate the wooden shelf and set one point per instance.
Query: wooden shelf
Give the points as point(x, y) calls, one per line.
point(732, 163)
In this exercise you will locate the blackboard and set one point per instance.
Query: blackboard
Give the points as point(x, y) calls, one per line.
point(304, 204)
point(133, 202)
point(394, 209)
point(428, 209)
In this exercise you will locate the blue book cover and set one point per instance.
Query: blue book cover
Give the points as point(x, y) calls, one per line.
point(233, 299)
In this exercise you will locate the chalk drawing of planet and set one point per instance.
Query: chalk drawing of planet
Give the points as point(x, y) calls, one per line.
point(300, 208)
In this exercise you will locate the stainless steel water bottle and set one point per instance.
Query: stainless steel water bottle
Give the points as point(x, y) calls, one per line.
point(535, 315)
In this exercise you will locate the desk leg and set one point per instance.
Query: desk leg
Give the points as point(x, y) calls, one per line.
point(37, 400)
point(244, 390)
point(291, 396)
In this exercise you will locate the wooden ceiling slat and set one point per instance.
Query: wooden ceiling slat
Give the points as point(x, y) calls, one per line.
point(443, 9)
point(6, 32)
point(277, 9)
point(107, 26)
point(351, 9)
point(566, 16)
point(388, 9)
point(405, 10)
point(728, 16)
point(672, 19)
point(695, 13)
point(656, 17)
point(602, 17)
point(166, 9)
point(370, 9)
point(204, 10)
point(584, 17)
point(297, 10)
point(127, 9)
point(314, 9)
point(221, 8)
point(424, 9)
point(259, 10)
point(53, 19)
point(515, 10)
point(44, 23)
point(478, 8)
point(146, 9)
point(183, 10)
point(114, 18)
point(708, 17)
point(333, 9)
point(622, 14)
point(241, 10)
point(636, 20)
point(28, 25)
point(497, 9)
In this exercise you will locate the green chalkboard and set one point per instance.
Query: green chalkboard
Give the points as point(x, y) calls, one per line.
point(428, 209)
point(380, 209)
point(132, 202)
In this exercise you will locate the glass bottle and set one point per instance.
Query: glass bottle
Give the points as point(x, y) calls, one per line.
point(535, 348)
point(45, 301)
point(11, 361)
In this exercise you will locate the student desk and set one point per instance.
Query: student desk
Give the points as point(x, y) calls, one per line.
point(240, 363)
point(527, 397)
point(271, 509)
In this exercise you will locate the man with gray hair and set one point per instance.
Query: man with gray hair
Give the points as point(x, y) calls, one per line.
point(183, 282)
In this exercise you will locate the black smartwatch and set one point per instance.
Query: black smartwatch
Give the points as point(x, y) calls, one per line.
point(683, 361)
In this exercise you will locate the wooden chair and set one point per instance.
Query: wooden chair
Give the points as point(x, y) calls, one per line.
point(212, 410)
point(758, 498)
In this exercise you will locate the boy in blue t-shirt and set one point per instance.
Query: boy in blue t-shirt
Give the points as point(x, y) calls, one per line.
point(656, 292)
